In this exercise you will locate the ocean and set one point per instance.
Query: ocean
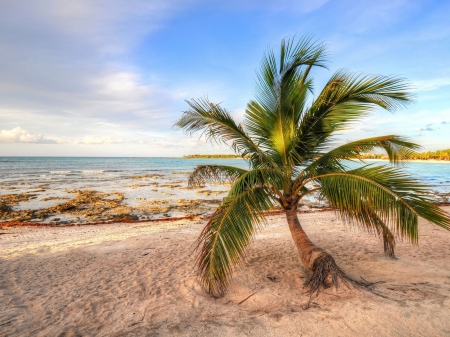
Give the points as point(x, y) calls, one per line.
point(84, 169)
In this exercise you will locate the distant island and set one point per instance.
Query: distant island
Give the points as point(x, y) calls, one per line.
point(212, 156)
point(443, 155)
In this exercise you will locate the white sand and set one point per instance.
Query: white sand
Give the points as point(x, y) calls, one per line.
point(139, 280)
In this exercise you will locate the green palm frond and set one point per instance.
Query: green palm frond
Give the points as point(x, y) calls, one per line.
point(364, 217)
point(222, 242)
point(216, 124)
point(273, 180)
point(273, 76)
point(214, 174)
point(409, 189)
point(385, 233)
point(366, 194)
point(346, 98)
point(281, 96)
point(398, 149)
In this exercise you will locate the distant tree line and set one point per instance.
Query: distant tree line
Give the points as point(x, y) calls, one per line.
point(212, 156)
point(428, 155)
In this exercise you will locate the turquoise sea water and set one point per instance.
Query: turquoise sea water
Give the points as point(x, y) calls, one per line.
point(99, 168)
point(77, 169)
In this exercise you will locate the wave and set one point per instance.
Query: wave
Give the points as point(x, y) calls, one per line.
point(92, 172)
point(60, 172)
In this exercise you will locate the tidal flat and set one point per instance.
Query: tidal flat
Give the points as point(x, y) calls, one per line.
point(138, 197)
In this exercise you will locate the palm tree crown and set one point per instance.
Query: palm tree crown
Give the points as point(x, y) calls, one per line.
point(287, 139)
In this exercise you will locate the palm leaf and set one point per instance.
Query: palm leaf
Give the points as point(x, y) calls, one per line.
point(281, 95)
point(397, 148)
point(273, 180)
point(214, 174)
point(218, 125)
point(393, 196)
point(346, 98)
point(225, 237)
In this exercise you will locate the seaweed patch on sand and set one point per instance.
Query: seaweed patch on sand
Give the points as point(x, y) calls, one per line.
point(7, 201)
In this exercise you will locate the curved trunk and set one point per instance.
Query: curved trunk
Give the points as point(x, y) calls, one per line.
point(325, 271)
point(308, 251)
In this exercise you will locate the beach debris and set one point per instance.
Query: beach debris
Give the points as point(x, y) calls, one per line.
point(170, 186)
point(143, 185)
point(273, 278)
point(219, 192)
point(204, 192)
point(245, 299)
point(54, 198)
point(159, 201)
point(167, 194)
point(89, 204)
point(14, 199)
point(141, 176)
point(7, 201)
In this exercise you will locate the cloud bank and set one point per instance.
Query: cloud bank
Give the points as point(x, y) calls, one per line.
point(19, 135)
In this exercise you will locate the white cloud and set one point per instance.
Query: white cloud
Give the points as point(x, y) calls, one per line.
point(121, 84)
point(19, 135)
point(69, 61)
point(433, 84)
point(99, 140)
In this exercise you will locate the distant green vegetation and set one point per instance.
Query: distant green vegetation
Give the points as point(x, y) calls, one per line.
point(429, 155)
point(212, 156)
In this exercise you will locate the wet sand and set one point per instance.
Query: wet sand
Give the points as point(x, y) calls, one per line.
point(138, 280)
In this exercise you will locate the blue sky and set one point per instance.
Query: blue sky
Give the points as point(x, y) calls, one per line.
point(109, 78)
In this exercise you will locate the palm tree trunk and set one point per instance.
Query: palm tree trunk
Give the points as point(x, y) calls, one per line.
point(308, 251)
point(325, 271)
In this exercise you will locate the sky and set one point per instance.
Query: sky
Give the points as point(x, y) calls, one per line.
point(109, 78)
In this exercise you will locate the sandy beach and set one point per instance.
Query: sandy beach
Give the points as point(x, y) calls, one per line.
point(138, 280)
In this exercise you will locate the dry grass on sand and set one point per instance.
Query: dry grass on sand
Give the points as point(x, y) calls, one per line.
point(138, 280)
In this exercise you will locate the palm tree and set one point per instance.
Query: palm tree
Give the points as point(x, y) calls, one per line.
point(287, 139)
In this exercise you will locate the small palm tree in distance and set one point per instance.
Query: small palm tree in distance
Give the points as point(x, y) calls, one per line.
point(287, 139)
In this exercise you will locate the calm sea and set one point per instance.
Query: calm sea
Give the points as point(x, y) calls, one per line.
point(68, 170)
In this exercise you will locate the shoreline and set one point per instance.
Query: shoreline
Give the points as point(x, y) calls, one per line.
point(11, 224)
